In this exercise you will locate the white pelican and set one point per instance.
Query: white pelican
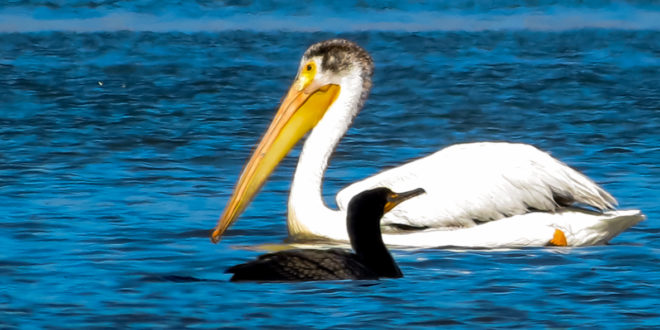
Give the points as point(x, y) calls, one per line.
point(478, 194)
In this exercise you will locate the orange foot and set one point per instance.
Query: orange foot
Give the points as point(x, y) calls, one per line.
point(558, 239)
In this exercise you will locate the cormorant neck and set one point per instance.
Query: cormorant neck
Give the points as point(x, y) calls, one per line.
point(363, 226)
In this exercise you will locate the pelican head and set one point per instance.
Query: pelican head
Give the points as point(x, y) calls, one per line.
point(326, 70)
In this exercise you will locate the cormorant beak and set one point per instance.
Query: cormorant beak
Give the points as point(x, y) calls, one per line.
point(301, 109)
point(394, 199)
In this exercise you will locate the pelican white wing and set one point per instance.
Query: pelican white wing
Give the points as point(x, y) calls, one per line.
point(467, 184)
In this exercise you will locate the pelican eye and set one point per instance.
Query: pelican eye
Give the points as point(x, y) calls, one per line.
point(308, 73)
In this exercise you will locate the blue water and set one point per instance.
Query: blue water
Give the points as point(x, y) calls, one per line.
point(124, 125)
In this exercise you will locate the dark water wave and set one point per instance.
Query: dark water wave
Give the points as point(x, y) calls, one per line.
point(118, 150)
point(200, 16)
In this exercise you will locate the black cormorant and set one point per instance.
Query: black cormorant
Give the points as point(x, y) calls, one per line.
point(371, 259)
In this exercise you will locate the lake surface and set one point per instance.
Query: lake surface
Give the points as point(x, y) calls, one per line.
point(123, 127)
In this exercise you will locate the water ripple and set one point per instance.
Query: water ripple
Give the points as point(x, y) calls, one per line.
point(119, 149)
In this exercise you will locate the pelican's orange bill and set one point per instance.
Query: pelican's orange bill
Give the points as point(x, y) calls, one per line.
point(302, 108)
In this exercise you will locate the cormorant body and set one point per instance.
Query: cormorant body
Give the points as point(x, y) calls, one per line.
point(371, 259)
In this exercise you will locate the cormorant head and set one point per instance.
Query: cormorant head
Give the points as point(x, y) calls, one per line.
point(376, 202)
